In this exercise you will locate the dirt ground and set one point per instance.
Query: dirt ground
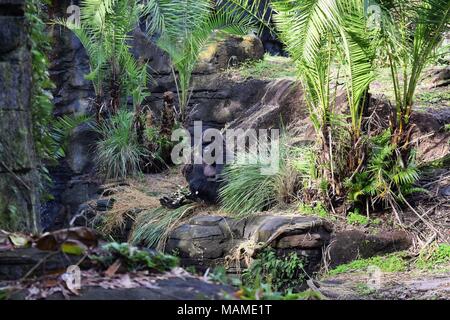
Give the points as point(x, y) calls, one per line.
point(396, 285)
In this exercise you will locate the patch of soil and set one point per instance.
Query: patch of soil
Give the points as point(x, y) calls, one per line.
point(397, 285)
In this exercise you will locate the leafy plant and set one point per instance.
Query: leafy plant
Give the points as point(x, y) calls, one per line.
point(282, 273)
point(61, 130)
point(318, 34)
point(387, 178)
point(105, 31)
point(41, 98)
point(118, 153)
point(186, 27)
point(135, 259)
point(357, 218)
point(317, 209)
point(411, 31)
point(219, 275)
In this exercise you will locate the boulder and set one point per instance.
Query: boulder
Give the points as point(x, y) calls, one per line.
point(230, 52)
point(15, 264)
point(183, 287)
point(80, 154)
point(349, 245)
point(207, 241)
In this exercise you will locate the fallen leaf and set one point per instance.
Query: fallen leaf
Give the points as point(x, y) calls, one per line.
point(51, 240)
point(19, 240)
point(73, 247)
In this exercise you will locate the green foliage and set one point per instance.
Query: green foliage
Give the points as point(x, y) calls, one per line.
point(248, 188)
point(105, 31)
point(316, 209)
point(118, 153)
point(41, 98)
point(185, 28)
point(387, 177)
point(438, 256)
point(135, 259)
point(315, 32)
point(364, 289)
point(389, 263)
point(411, 33)
point(433, 97)
point(357, 218)
point(151, 227)
point(219, 275)
point(3, 294)
point(282, 273)
point(271, 67)
point(263, 291)
point(159, 145)
point(61, 131)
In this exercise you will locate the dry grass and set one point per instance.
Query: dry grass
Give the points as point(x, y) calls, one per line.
point(129, 200)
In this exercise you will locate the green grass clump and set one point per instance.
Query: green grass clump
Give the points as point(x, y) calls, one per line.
point(151, 227)
point(357, 219)
point(135, 259)
point(316, 209)
point(119, 153)
point(438, 256)
point(249, 187)
point(271, 67)
point(390, 263)
point(433, 97)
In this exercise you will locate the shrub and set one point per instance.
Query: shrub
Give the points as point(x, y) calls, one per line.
point(282, 273)
point(119, 153)
point(388, 178)
point(357, 218)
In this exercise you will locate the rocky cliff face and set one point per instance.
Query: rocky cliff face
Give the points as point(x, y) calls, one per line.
point(18, 174)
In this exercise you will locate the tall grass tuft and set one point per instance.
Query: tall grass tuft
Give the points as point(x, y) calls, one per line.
point(119, 153)
point(246, 190)
point(152, 226)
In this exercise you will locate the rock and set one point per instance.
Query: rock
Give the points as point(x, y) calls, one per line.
point(105, 204)
point(206, 241)
point(306, 241)
point(69, 64)
point(19, 177)
point(230, 52)
point(445, 191)
point(281, 103)
point(173, 288)
point(440, 77)
point(80, 156)
point(14, 264)
point(349, 245)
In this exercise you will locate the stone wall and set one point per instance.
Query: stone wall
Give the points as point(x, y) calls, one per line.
point(18, 173)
